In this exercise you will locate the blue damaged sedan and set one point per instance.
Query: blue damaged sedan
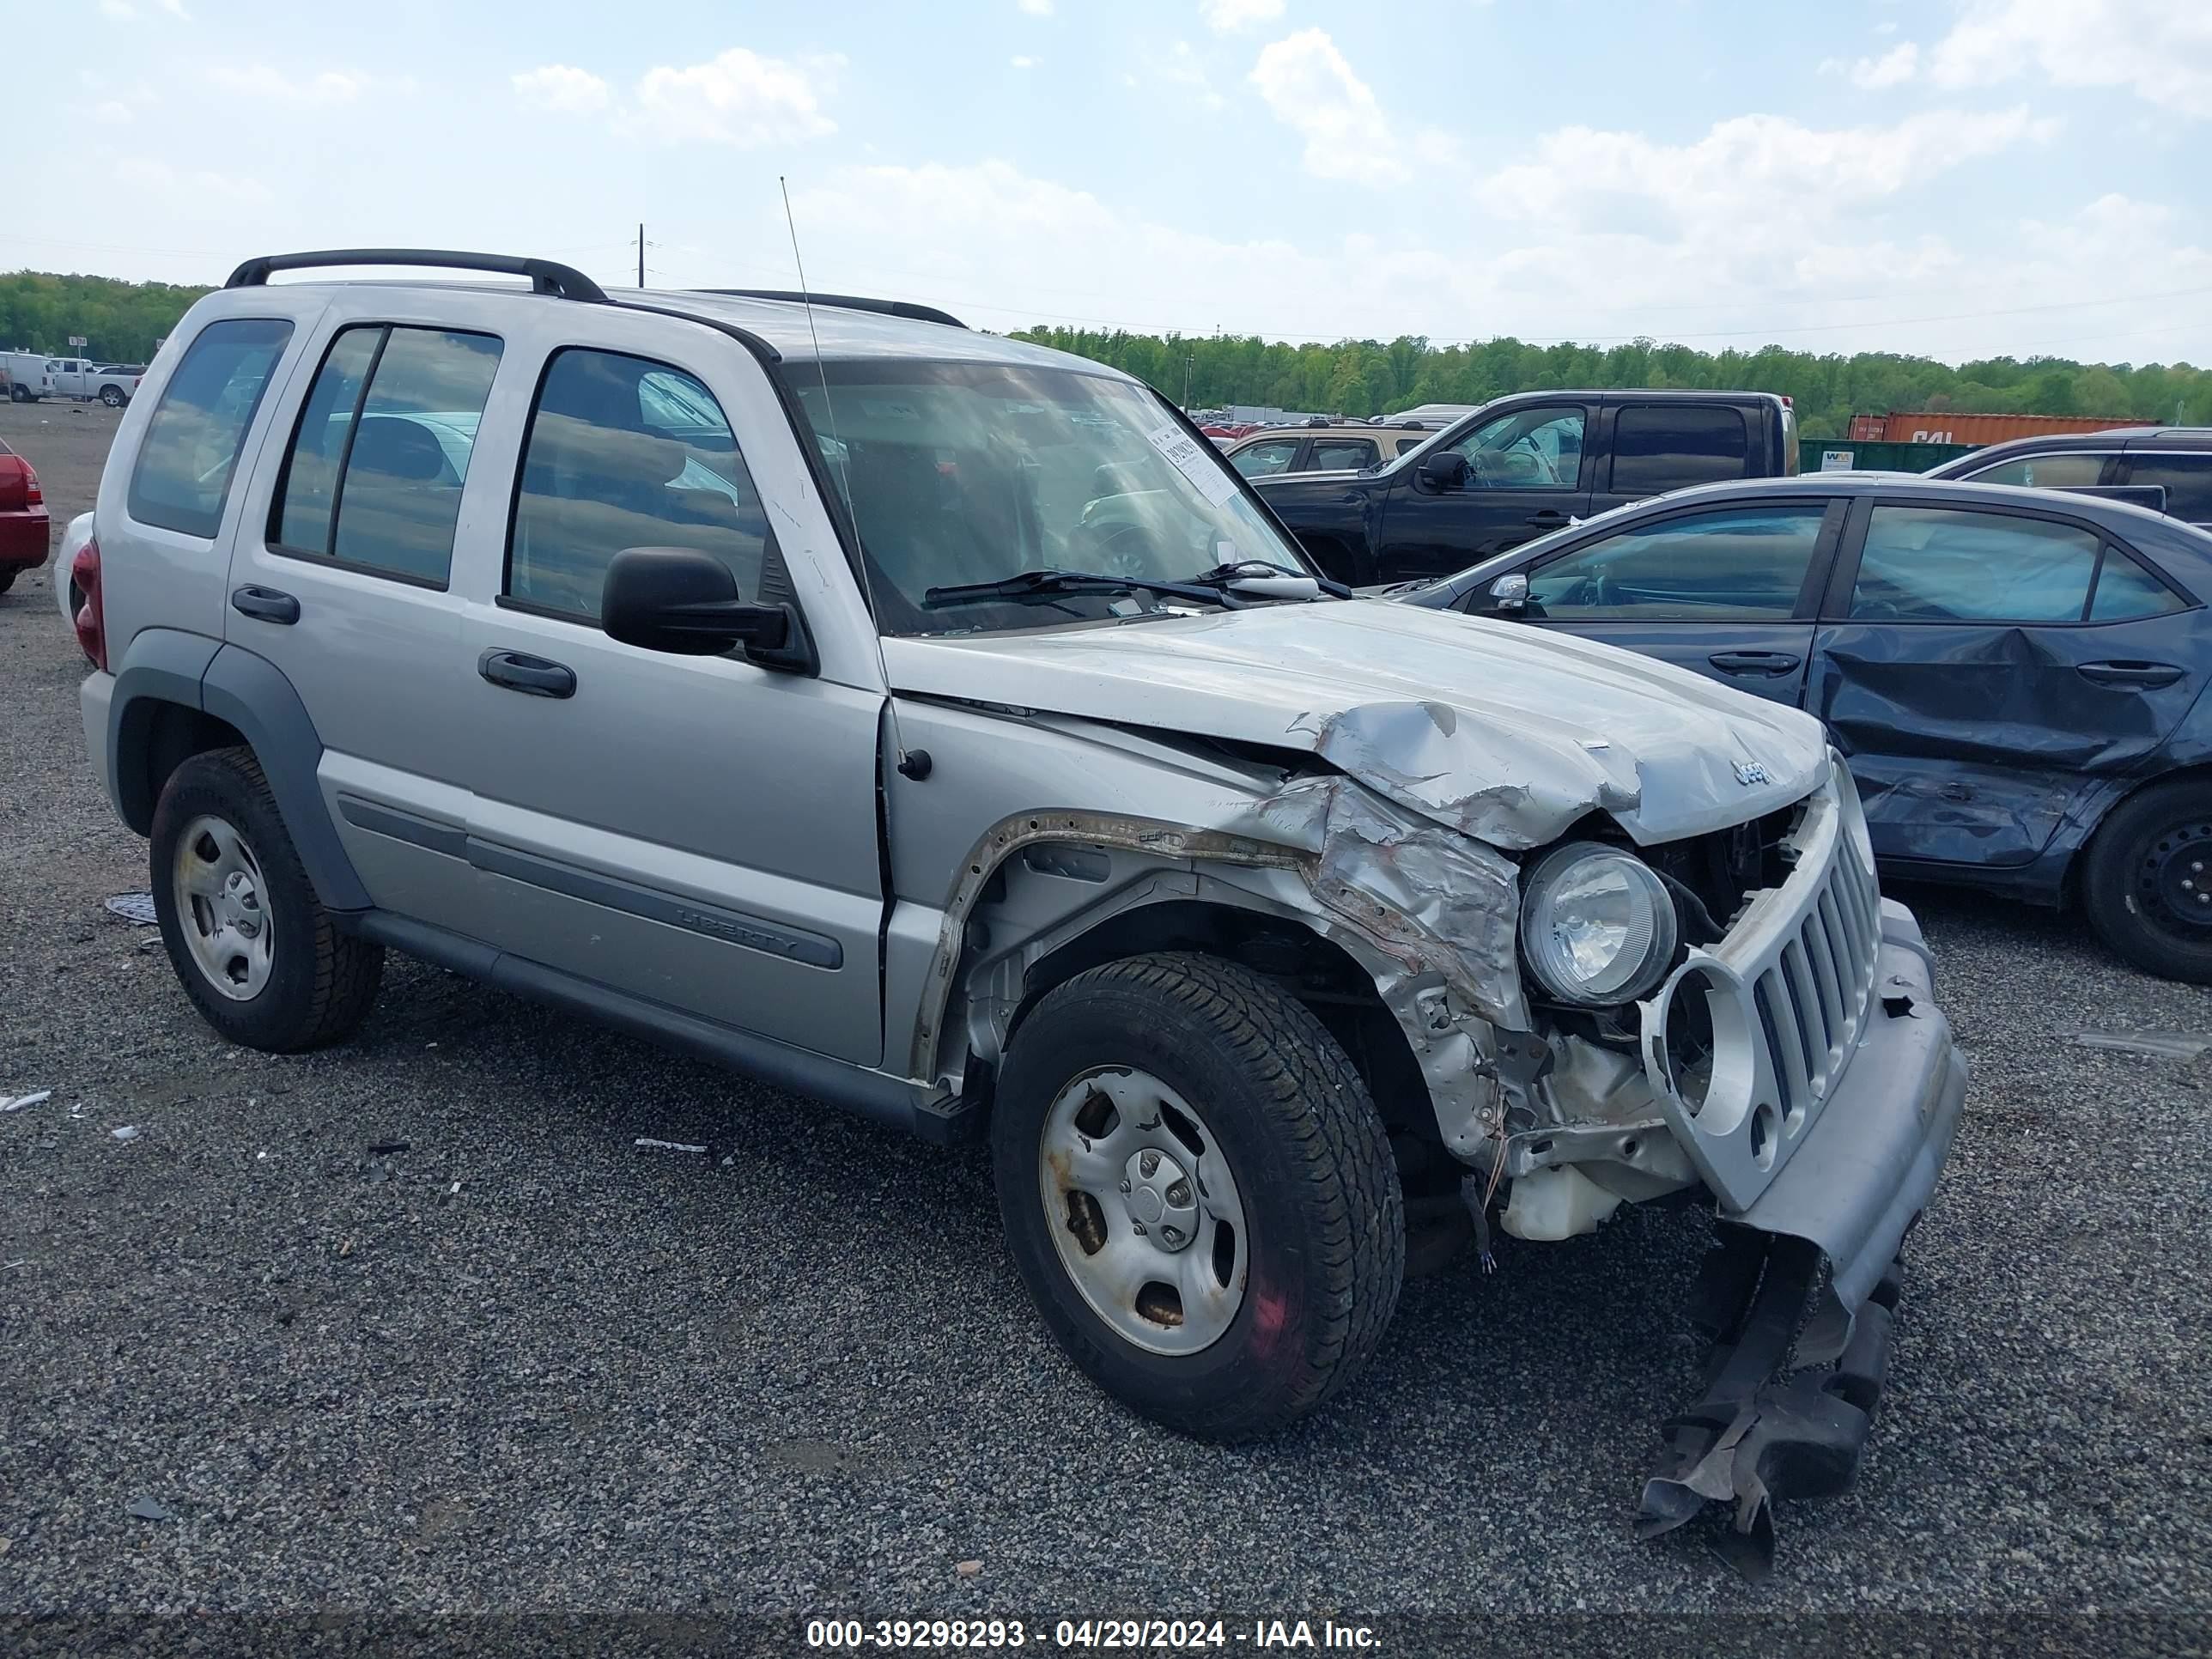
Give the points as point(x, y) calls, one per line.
point(2017, 675)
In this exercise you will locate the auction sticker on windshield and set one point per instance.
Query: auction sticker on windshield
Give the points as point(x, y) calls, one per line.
point(1191, 459)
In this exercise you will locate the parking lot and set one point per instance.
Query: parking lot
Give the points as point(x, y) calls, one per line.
point(525, 1363)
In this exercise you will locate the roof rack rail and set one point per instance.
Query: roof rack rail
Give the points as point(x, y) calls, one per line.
point(906, 308)
point(546, 277)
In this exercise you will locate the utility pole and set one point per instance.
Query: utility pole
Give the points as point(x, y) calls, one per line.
point(640, 253)
point(1189, 357)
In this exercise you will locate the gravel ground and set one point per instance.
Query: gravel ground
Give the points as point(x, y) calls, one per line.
point(527, 1366)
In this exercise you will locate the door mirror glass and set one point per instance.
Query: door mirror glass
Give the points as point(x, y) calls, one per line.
point(1446, 470)
point(1508, 594)
point(679, 599)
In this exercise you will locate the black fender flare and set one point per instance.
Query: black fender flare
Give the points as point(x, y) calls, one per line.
point(160, 666)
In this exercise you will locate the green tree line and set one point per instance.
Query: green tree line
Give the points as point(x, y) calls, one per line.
point(1360, 378)
point(120, 321)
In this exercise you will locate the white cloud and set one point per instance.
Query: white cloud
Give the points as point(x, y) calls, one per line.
point(1225, 16)
point(2161, 52)
point(1894, 68)
point(1307, 83)
point(740, 99)
point(119, 11)
point(1036, 7)
point(564, 90)
point(1179, 72)
point(112, 112)
point(1023, 62)
point(1888, 27)
point(197, 184)
point(259, 81)
point(175, 8)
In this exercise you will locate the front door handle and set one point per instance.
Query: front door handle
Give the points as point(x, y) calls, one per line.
point(533, 677)
point(1754, 662)
point(265, 604)
point(2148, 675)
point(1551, 518)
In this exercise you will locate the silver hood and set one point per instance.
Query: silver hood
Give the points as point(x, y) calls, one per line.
point(1507, 733)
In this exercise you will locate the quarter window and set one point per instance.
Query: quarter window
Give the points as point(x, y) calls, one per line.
point(1258, 460)
point(625, 453)
point(2187, 478)
point(1661, 447)
point(1746, 564)
point(2045, 471)
point(1942, 564)
point(182, 477)
point(380, 456)
point(2126, 592)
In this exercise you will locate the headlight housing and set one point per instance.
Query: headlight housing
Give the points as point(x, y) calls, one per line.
point(1597, 925)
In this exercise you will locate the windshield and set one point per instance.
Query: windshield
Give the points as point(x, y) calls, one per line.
point(958, 473)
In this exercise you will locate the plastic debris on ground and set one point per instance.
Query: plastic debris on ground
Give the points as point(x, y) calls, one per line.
point(385, 1148)
point(968, 1569)
point(2156, 1045)
point(128, 1132)
point(668, 1145)
point(20, 1101)
point(135, 907)
point(147, 1509)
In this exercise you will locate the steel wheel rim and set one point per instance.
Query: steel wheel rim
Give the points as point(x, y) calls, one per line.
point(223, 908)
point(1143, 1210)
point(2174, 879)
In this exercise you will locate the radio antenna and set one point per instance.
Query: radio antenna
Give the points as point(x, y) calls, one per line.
point(914, 765)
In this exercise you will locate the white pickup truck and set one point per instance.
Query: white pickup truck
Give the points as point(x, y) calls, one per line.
point(112, 384)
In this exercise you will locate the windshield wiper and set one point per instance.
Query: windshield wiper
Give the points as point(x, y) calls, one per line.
point(1262, 570)
point(1054, 584)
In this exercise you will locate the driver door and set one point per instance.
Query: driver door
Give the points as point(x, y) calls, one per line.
point(1526, 476)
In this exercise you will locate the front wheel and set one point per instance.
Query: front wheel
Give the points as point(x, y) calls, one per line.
point(1198, 1193)
point(2148, 887)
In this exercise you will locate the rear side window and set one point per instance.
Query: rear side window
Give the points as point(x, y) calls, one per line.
point(182, 476)
point(1938, 564)
point(623, 451)
point(1657, 448)
point(2187, 478)
point(380, 458)
point(1332, 452)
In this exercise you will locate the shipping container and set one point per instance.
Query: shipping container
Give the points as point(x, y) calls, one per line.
point(1861, 455)
point(1944, 426)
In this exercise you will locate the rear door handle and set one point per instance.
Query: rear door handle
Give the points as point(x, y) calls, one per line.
point(265, 604)
point(2148, 675)
point(1551, 517)
point(533, 677)
point(1754, 662)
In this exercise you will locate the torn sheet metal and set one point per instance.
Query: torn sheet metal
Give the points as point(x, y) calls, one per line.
point(1754, 1435)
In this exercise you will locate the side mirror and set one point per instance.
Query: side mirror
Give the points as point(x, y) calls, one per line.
point(680, 600)
point(1508, 594)
point(1446, 470)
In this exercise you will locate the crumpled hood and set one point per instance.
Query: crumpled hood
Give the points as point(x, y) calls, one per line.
point(1506, 731)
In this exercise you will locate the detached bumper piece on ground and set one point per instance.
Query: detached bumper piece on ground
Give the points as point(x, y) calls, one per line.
point(1754, 1436)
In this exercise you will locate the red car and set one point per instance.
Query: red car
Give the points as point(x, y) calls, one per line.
point(22, 517)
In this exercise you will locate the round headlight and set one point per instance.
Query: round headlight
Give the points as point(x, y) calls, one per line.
point(1597, 924)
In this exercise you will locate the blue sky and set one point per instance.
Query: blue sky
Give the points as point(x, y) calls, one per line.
point(1949, 176)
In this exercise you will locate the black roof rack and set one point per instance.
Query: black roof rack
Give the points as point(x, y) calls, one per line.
point(563, 282)
point(906, 308)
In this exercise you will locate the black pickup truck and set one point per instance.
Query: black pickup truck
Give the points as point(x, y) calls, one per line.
point(1521, 466)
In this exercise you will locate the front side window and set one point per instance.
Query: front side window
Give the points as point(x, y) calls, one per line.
point(2187, 478)
point(1258, 460)
point(1945, 564)
point(2044, 471)
point(1343, 452)
point(623, 451)
point(381, 455)
point(1528, 449)
point(1741, 564)
point(1658, 447)
point(182, 476)
point(958, 473)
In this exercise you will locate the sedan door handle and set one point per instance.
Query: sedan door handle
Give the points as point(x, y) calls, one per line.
point(265, 604)
point(2148, 675)
point(1754, 662)
point(533, 677)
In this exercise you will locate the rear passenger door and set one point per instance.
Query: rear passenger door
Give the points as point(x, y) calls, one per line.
point(1984, 668)
point(341, 576)
point(697, 831)
point(2186, 476)
point(1659, 446)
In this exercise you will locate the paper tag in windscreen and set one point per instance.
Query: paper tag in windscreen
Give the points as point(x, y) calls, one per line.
point(1205, 472)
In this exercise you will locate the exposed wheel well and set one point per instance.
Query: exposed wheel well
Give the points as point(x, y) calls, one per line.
point(1298, 961)
point(154, 738)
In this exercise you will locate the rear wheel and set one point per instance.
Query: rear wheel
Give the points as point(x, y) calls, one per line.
point(1198, 1193)
point(112, 396)
point(2148, 886)
point(253, 948)
point(17, 395)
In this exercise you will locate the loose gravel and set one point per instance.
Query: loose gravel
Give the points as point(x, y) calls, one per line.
point(530, 1363)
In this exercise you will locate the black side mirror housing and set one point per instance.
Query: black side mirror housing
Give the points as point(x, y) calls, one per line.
point(1445, 470)
point(685, 602)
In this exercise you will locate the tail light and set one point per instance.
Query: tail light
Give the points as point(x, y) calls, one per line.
point(19, 485)
point(32, 495)
point(91, 614)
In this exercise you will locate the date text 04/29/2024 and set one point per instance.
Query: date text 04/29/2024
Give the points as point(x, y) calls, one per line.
point(1122, 1634)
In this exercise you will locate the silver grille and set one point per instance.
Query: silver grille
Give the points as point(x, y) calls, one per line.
point(1787, 992)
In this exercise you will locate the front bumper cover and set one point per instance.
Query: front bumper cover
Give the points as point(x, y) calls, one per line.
point(1848, 1195)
